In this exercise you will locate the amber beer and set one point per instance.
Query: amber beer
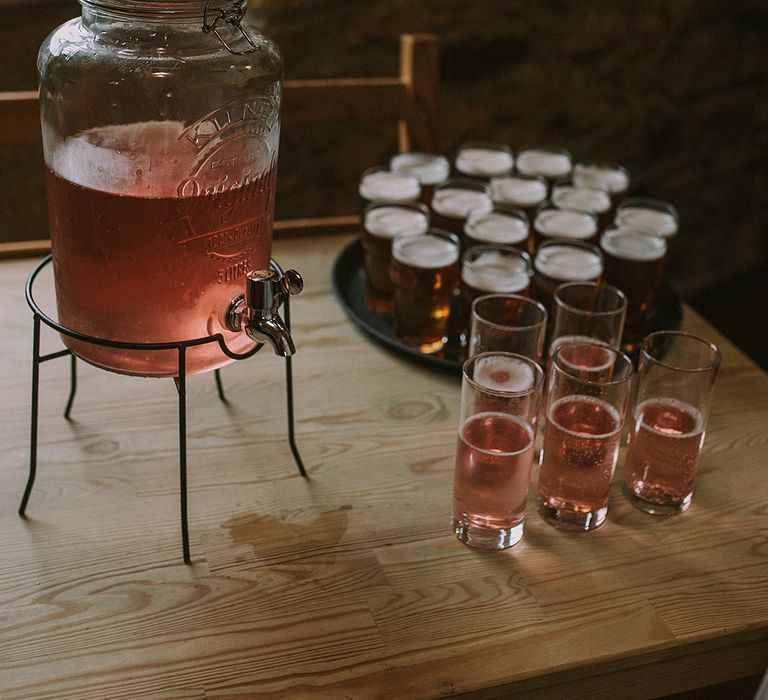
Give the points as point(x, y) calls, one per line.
point(381, 223)
point(634, 262)
point(454, 199)
point(484, 160)
point(554, 223)
point(425, 272)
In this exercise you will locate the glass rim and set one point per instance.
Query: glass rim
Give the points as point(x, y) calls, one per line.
point(547, 206)
point(616, 230)
point(510, 210)
point(569, 180)
point(491, 145)
point(546, 148)
point(717, 355)
point(501, 247)
point(649, 203)
point(183, 9)
point(593, 382)
point(527, 301)
point(397, 204)
point(539, 375)
point(602, 285)
point(463, 182)
point(384, 168)
point(600, 165)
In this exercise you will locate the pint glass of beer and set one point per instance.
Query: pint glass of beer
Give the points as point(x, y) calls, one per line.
point(484, 160)
point(507, 322)
point(383, 221)
point(588, 312)
point(585, 411)
point(676, 375)
point(559, 261)
point(553, 222)
point(425, 272)
point(551, 163)
point(526, 192)
point(454, 199)
point(489, 269)
point(566, 194)
point(379, 183)
point(499, 225)
point(634, 262)
point(500, 397)
point(429, 168)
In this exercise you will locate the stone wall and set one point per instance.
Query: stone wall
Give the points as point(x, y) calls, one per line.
point(675, 90)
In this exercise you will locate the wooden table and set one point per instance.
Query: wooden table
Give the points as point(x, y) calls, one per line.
point(348, 584)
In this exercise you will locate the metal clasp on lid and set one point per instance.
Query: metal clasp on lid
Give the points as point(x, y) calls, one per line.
point(233, 17)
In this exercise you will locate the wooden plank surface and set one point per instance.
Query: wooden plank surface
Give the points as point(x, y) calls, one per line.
point(349, 583)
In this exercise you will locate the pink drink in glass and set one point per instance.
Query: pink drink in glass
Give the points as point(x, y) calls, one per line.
point(663, 454)
point(493, 467)
point(581, 445)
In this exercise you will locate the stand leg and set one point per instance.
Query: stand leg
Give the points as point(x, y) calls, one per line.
point(291, 431)
point(219, 385)
point(289, 396)
point(72, 385)
point(33, 431)
point(181, 386)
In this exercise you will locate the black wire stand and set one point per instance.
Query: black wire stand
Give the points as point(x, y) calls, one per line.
point(181, 385)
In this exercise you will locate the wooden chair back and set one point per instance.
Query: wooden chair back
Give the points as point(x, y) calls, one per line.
point(408, 100)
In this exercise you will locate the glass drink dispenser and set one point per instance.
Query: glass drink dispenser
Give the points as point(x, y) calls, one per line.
point(160, 125)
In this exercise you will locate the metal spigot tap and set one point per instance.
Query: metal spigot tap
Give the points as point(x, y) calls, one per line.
point(256, 311)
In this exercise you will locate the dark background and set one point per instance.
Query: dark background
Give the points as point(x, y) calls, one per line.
point(674, 90)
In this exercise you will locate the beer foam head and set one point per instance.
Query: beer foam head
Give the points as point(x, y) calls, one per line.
point(496, 271)
point(633, 244)
point(539, 161)
point(662, 222)
point(581, 199)
point(457, 202)
point(496, 227)
point(388, 186)
point(568, 263)
point(484, 162)
point(518, 191)
point(389, 221)
point(426, 251)
point(612, 178)
point(565, 223)
point(504, 373)
point(429, 168)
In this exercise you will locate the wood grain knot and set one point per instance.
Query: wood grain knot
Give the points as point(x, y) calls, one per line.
point(426, 409)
